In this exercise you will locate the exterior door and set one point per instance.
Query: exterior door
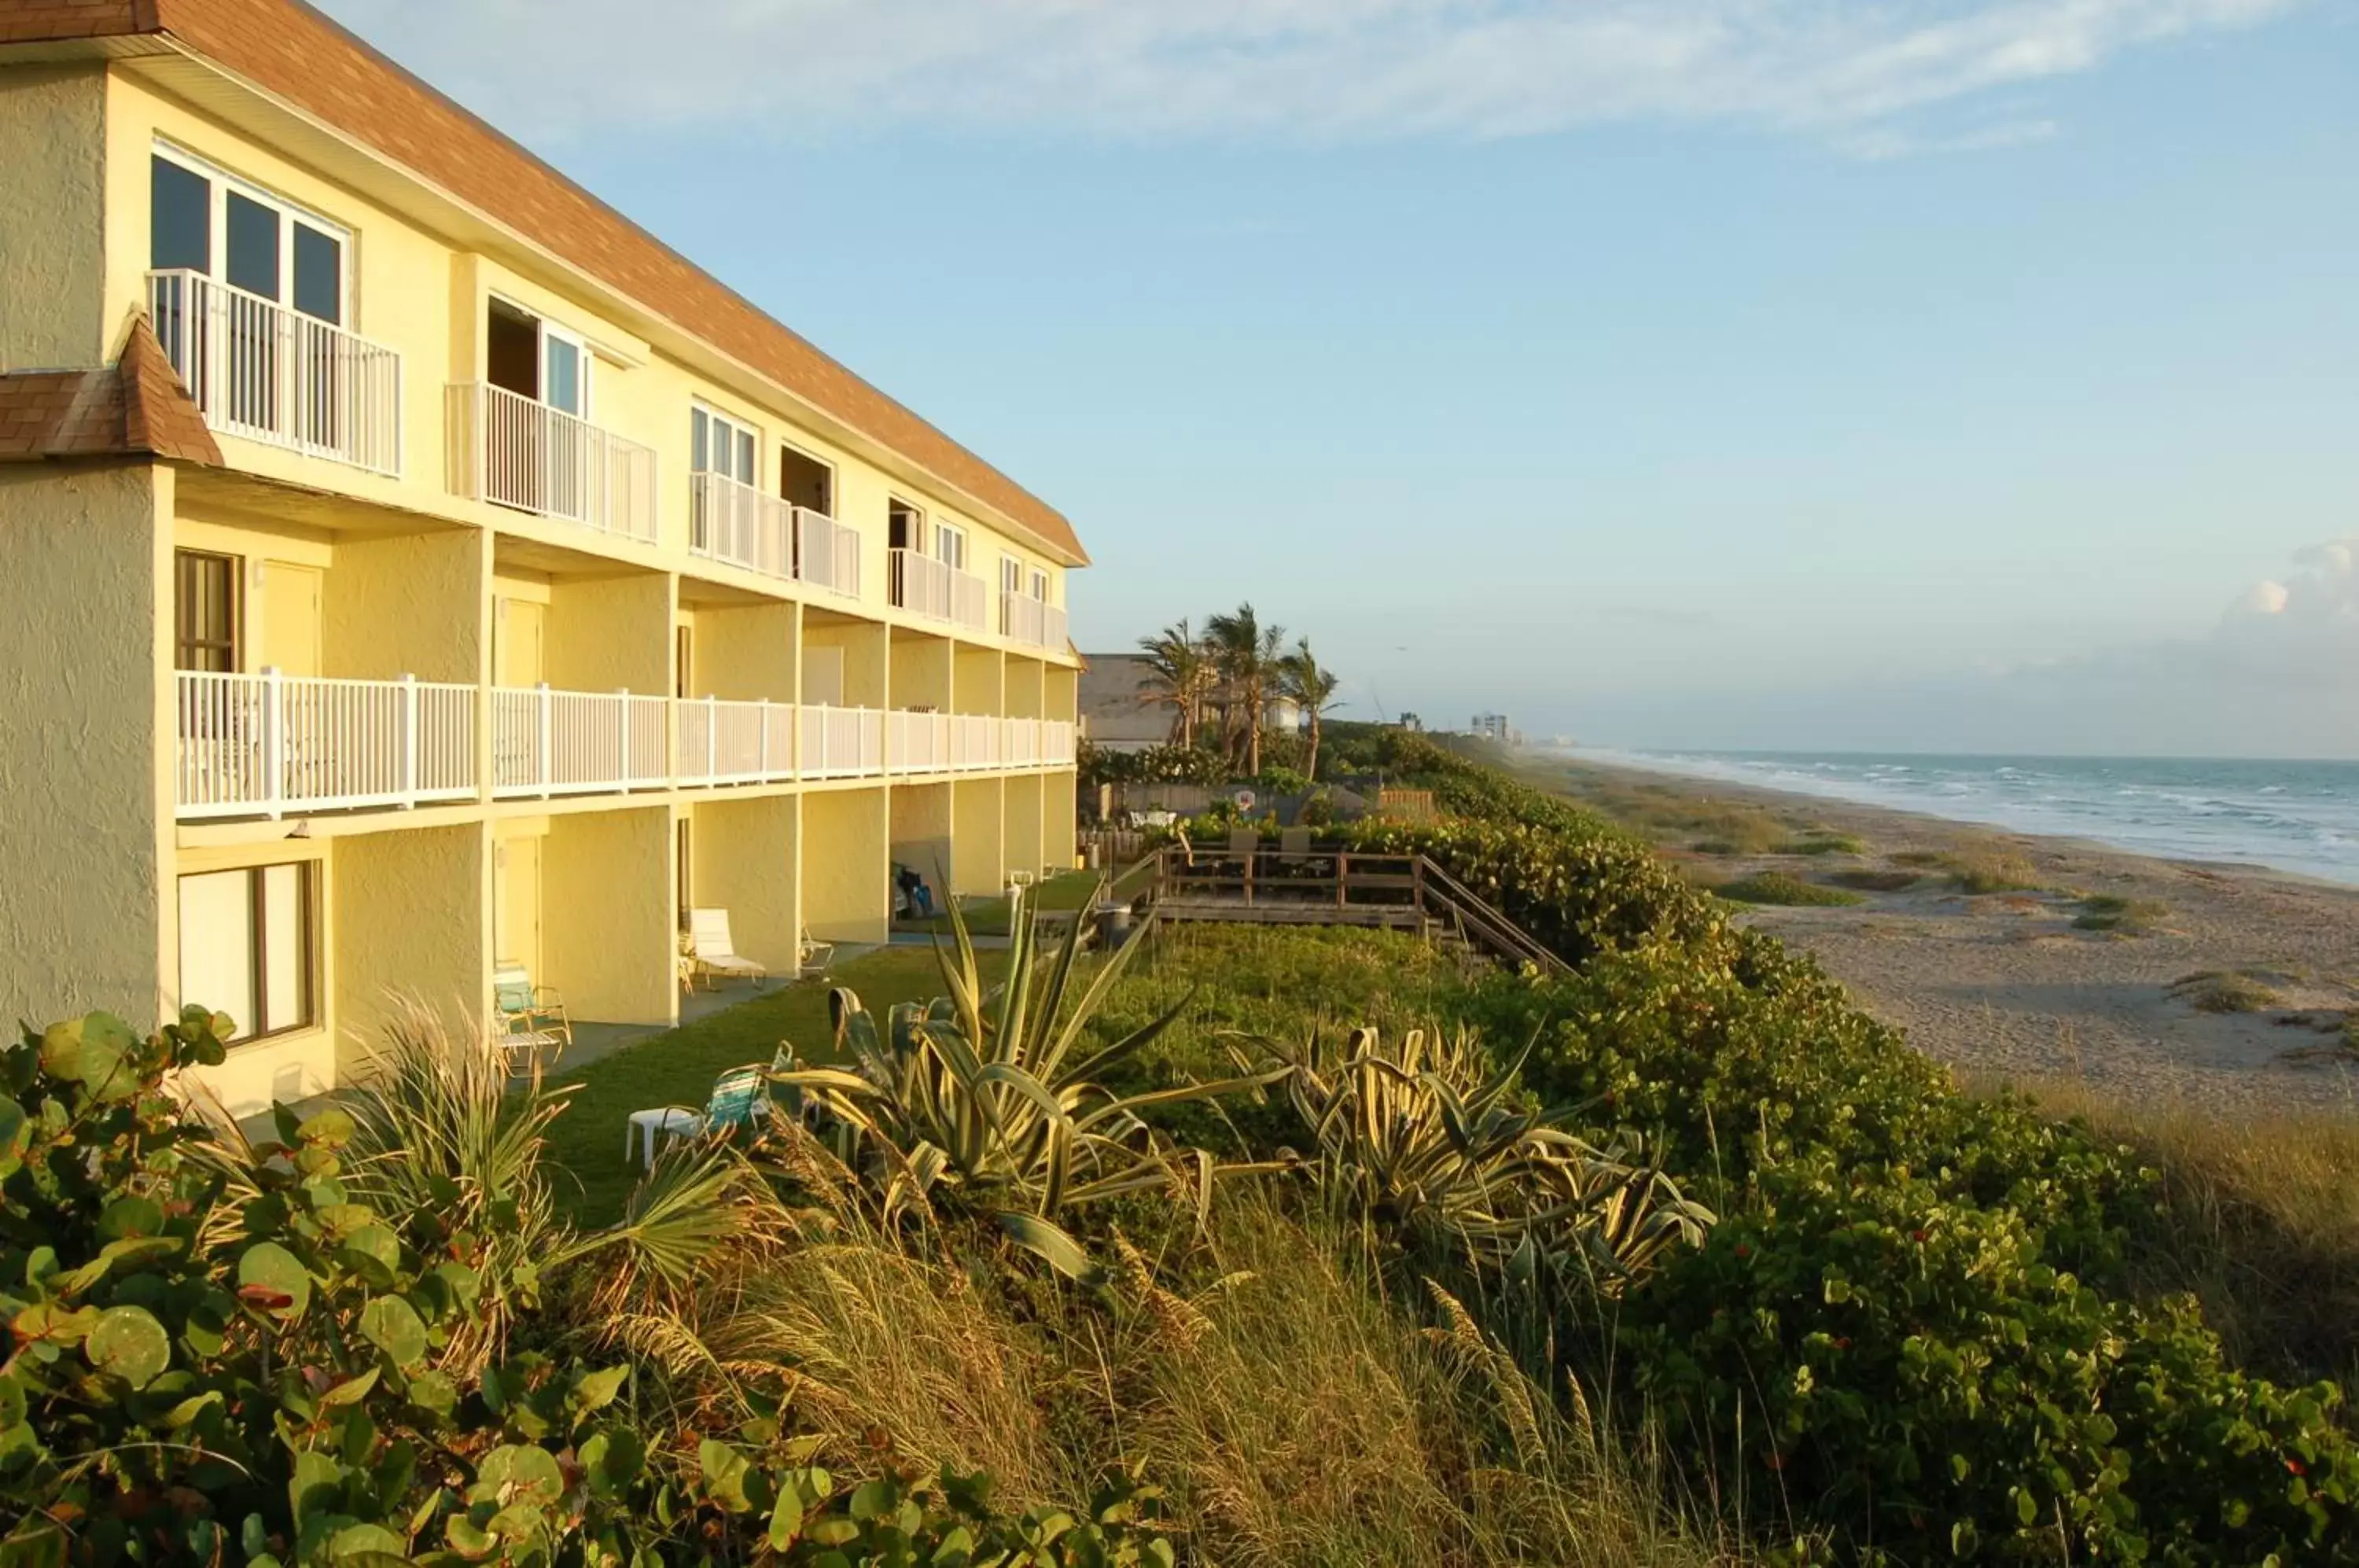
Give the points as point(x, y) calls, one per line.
point(516, 918)
point(517, 650)
point(290, 618)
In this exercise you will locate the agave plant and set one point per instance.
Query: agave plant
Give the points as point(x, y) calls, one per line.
point(989, 1095)
point(1413, 1138)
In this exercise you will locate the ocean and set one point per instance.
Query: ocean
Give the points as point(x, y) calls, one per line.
point(2295, 816)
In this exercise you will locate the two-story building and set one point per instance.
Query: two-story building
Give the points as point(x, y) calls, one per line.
point(409, 567)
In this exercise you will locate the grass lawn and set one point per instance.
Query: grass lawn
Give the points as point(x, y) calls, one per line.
point(988, 917)
point(678, 1069)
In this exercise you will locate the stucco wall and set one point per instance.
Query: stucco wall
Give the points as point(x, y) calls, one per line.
point(845, 891)
point(978, 840)
point(1025, 691)
point(611, 633)
point(744, 654)
point(609, 930)
point(746, 864)
point(407, 918)
point(979, 679)
point(84, 831)
point(52, 217)
point(1025, 844)
point(408, 604)
point(864, 645)
point(922, 834)
point(1060, 829)
point(1059, 692)
point(921, 672)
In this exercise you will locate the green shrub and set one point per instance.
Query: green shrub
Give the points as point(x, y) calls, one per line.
point(1870, 881)
point(1822, 841)
point(2227, 991)
point(1777, 888)
point(1992, 873)
point(2125, 917)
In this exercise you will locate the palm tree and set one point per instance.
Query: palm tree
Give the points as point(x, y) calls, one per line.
point(1248, 655)
point(1184, 675)
point(1313, 690)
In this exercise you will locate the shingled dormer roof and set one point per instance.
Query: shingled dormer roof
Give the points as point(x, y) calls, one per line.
point(293, 51)
point(134, 407)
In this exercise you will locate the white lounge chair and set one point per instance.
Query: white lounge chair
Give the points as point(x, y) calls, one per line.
point(817, 957)
point(527, 1020)
point(708, 940)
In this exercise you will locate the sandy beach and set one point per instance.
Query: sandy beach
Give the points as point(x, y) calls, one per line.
point(2220, 987)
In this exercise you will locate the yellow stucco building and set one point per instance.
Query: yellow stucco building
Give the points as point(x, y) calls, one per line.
point(409, 568)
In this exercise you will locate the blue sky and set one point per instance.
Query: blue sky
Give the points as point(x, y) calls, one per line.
point(1926, 374)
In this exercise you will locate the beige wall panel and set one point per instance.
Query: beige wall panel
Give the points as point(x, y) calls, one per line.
point(846, 896)
point(1026, 694)
point(609, 933)
point(921, 672)
point(1025, 840)
point(85, 695)
point(745, 654)
point(861, 648)
point(1060, 826)
point(407, 915)
point(53, 218)
point(980, 680)
point(922, 835)
point(979, 838)
point(611, 633)
point(409, 604)
point(744, 855)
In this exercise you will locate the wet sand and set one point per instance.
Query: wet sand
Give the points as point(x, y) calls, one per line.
point(2011, 986)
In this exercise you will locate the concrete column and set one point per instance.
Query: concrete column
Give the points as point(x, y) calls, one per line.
point(978, 836)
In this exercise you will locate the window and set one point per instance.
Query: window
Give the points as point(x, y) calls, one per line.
point(904, 527)
point(246, 947)
point(202, 219)
point(536, 359)
point(950, 547)
point(719, 445)
point(806, 481)
point(1039, 585)
point(205, 610)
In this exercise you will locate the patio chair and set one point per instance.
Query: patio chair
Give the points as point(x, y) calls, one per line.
point(1245, 845)
point(527, 1019)
point(740, 1098)
point(1296, 857)
point(715, 953)
point(817, 958)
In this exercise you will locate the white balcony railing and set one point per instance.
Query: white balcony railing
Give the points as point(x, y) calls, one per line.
point(517, 452)
point(258, 370)
point(843, 743)
point(1032, 622)
point(734, 743)
point(267, 744)
point(576, 743)
point(827, 553)
point(734, 522)
point(938, 591)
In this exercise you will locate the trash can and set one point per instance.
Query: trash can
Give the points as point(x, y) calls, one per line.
point(1113, 925)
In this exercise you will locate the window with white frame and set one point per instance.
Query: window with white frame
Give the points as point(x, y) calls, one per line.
point(1011, 575)
point(949, 546)
point(1039, 585)
point(720, 444)
point(205, 221)
point(247, 946)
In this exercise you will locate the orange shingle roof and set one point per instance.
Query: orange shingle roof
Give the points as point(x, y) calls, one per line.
point(291, 50)
point(134, 408)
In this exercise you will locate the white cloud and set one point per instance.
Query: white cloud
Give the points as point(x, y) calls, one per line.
point(1298, 69)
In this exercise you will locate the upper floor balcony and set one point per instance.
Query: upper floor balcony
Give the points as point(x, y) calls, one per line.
point(515, 450)
point(1032, 622)
point(734, 522)
point(270, 373)
point(938, 590)
point(269, 745)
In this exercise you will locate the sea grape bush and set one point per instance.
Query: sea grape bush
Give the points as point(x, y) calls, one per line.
point(217, 1354)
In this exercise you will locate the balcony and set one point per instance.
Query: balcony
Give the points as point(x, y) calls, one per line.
point(268, 744)
point(938, 591)
point(734, 743)
point(734, 522)
point(268, 374)
point(1035, 623)
point(548, 743)
point(513, 451)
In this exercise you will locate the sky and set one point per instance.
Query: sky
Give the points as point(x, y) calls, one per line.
point(1884, 374)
